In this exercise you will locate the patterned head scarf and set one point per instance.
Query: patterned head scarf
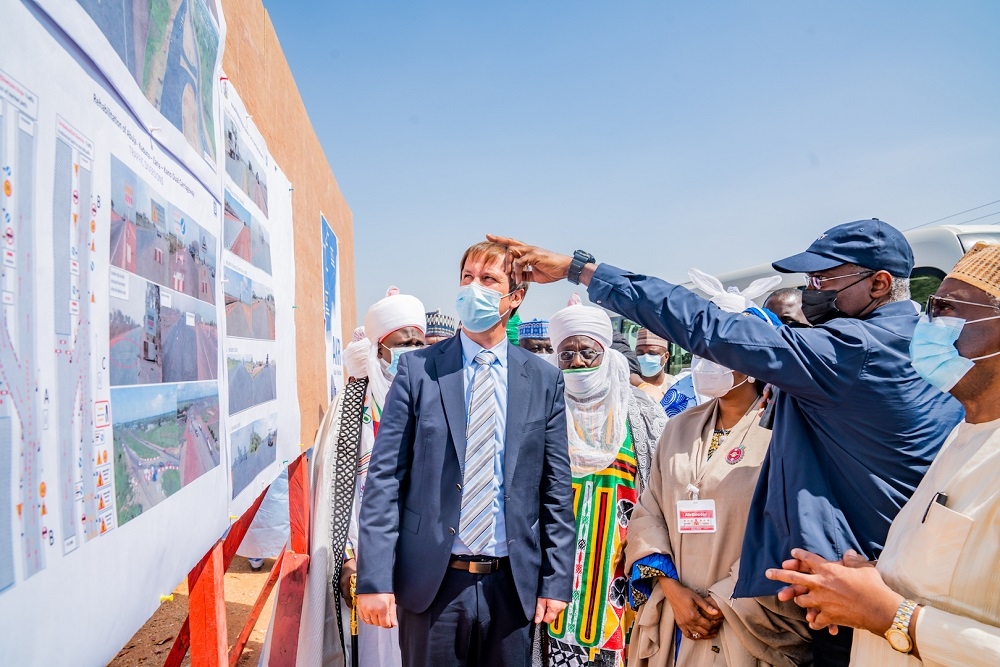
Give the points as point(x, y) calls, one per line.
point(980, 267)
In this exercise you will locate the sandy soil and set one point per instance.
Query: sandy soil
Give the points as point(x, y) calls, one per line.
point(151, 644)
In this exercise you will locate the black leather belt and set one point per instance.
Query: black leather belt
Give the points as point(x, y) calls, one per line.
point(477, 564)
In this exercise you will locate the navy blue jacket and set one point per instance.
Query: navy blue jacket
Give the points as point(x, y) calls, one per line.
point(855, 427)
point(412, 500)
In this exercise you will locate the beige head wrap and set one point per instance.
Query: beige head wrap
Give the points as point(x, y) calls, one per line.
point(980, 267)
point(647, 337)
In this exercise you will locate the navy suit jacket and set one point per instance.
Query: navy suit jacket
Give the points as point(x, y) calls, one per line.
point(413, 499)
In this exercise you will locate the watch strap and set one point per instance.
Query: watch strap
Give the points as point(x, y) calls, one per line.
point(580, 259)
point(901, 624)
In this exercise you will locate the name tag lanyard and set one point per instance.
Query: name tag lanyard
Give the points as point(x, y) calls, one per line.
point(697, 515)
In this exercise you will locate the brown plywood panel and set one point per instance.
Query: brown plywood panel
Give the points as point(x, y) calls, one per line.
point(255, 64)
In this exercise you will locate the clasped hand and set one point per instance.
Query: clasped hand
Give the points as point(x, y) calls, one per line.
point(695, 615)
point(848, 592)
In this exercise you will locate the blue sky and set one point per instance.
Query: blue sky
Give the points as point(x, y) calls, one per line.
point(657, 135)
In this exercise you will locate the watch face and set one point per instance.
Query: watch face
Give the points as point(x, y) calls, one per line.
point(898, 639)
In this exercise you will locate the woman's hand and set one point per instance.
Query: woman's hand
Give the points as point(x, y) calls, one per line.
point(695, 615)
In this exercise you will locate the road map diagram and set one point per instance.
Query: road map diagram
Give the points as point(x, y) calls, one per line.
point(21, 417)
point(86, 508)
point(170, 47)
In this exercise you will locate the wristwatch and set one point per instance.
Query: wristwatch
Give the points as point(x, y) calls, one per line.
point(580, 259)
point(898, 634)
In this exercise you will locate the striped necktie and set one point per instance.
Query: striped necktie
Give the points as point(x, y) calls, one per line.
point(479, 490)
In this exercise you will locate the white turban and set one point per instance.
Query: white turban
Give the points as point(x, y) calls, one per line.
point(390, 314)
point(356, 354)
point(597, 407)
point(394, 312)
point(579, 320)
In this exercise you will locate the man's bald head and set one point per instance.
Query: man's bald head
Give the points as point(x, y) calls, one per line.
point(786, 303)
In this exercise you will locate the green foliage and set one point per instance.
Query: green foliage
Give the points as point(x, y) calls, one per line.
point(170, 481)
point(159, 15)
point(922, 287)
point(140, 449)
point(166, 434)
point(124, 498)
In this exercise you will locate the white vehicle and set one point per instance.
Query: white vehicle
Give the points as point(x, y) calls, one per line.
point(935, 252)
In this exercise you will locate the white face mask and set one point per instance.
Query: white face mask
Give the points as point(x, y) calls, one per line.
point(711, 379)
point(549, 357)
point(583, 382)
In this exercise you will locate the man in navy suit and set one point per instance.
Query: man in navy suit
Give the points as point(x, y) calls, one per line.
point(467, 519)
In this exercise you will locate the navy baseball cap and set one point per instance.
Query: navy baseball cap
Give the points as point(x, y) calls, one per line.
point(872, 244)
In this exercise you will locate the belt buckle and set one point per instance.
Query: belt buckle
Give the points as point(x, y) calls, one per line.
point(480, 567)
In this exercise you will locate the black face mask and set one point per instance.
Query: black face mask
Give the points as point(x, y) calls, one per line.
point(820, 305)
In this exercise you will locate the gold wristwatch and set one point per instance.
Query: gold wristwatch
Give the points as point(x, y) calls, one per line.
point(898, 634)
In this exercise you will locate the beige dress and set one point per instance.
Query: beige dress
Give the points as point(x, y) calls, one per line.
point(948, 560)
point(755, 631)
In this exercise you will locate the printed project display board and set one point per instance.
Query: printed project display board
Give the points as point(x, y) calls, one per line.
point(147, 368)
point(331, 309)
point(258, 294)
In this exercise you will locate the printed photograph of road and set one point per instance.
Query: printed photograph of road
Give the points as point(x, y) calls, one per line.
point(192, 257)
point(123, 230)
point(160, 242)
point(243, 167)
point(190, 335)
point(260, 247)
point(198, 425)
point(236, 232)
point(253, 450)
point(170, 48)
point(245, 236)
point(135, 335)
point(249, 307)
point(252, 381)
point(147, 461)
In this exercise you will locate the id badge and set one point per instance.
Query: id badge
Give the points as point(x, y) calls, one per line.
point(696, 516)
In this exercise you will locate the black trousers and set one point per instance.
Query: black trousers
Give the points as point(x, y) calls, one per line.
point(832, 650)
point(476, 620)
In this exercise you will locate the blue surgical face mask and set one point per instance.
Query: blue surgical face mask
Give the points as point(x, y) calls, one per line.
point(650, 364)
point(478, 307)
point(392, 366)
point(934, 355)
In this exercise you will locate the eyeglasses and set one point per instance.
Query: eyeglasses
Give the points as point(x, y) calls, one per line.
point(587, 355)
point(935, 304)
point(816, 282)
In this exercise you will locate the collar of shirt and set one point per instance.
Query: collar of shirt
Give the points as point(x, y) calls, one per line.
point(471, 348)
